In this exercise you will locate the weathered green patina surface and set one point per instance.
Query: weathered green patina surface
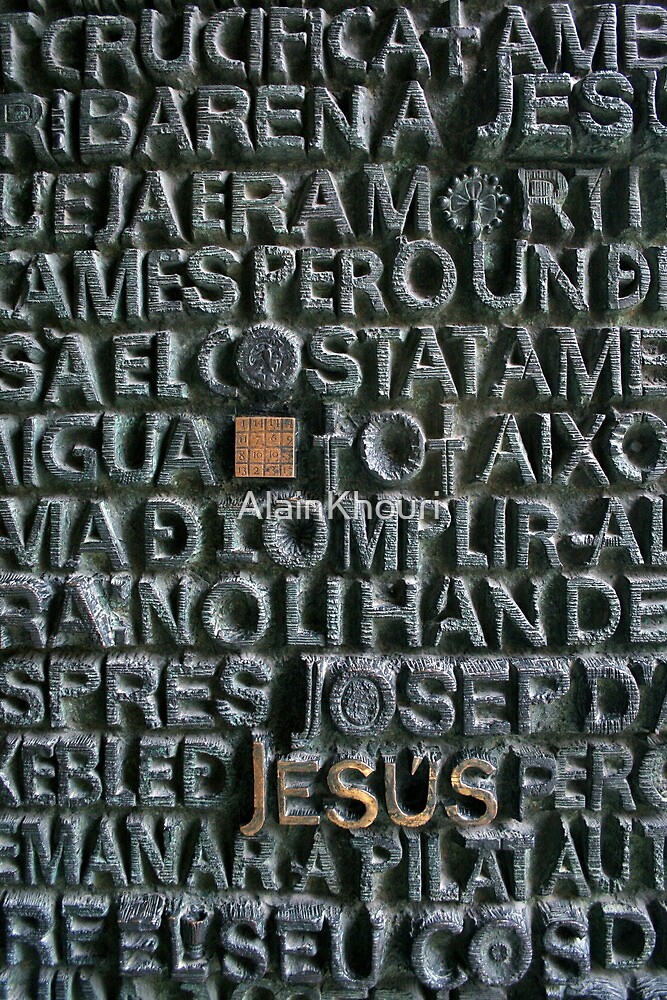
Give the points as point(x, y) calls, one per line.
point(333, 556)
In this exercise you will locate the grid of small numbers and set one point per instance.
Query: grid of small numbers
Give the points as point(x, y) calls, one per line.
point(264, 447)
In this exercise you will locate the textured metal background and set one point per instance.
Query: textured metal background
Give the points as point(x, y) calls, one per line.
point(332, 535)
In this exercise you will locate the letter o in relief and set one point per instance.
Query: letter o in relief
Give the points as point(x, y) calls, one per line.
point(638, 447)
point(236, 612)
point(299, 541)
point(362, 700)
point(500, 953)
point(423, 275)
point(652, 778)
